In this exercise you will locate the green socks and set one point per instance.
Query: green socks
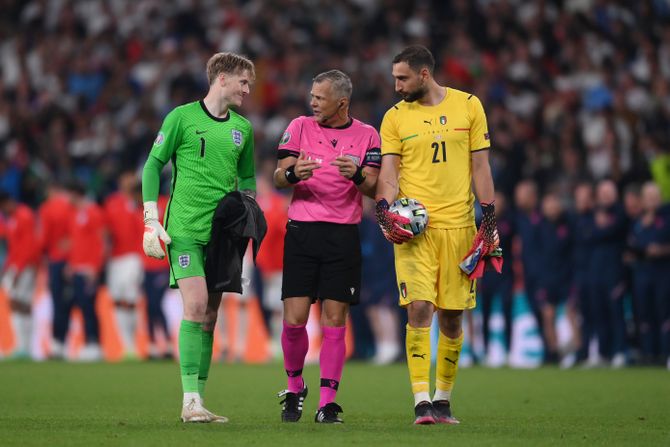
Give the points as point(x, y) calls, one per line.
point(205, 360)
point(191, 343)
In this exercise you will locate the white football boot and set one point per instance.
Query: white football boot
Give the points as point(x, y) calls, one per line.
point(193, 411)
point(213, 417)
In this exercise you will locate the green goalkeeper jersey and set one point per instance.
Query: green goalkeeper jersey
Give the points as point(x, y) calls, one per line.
point(210, 158)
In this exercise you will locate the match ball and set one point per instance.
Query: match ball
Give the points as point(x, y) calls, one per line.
point(414, 211)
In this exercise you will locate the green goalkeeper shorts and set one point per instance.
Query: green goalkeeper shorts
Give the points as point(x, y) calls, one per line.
point(186, 258)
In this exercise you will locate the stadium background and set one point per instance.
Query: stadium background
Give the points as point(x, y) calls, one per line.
point(573, 90)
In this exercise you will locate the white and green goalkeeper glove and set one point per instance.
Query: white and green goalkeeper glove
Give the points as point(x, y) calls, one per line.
point(153, 231)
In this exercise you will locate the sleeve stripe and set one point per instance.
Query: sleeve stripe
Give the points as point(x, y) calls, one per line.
point(469, 97)
point(391, 153)
point(283, 153)
point(481, 149)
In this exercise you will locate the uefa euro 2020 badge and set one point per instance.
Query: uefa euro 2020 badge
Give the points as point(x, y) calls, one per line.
point(184, 261)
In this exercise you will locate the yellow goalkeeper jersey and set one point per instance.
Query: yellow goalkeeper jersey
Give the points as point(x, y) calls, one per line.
point(434, 144)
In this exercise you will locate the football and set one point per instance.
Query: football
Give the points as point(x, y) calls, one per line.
point(414, 211)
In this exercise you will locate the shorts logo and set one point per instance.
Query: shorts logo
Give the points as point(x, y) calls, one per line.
point(184, 261)
point(159, 139)
point(403, 289)
point(237, 137)
point(443, 120)
point(353, 289)
point(285, 138)
point(486, 136)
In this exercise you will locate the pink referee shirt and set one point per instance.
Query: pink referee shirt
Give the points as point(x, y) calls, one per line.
point(327, 196)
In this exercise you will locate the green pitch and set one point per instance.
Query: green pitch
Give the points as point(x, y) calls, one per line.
point(139, 403)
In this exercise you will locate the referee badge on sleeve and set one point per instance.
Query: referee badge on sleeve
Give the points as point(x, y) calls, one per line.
point(184, 261)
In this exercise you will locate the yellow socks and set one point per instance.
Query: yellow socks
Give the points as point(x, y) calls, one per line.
point(448, 352)
point(417, 343)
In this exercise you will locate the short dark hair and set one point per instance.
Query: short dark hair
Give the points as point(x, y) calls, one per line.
point(340, 82)
point(417, 57)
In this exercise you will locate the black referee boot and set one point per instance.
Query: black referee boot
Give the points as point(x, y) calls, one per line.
point(291, 410)
point(328, 414)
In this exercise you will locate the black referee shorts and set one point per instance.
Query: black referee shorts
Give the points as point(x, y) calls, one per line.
point(322, 260)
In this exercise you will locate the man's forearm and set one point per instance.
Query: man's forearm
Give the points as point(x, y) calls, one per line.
point(369, 185)
point(483, 182)
point(387, 183)
point(151, 179)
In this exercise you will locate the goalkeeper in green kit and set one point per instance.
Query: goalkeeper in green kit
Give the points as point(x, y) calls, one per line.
point(211, 148)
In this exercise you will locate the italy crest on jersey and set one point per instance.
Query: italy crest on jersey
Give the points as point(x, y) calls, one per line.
point(237, 137)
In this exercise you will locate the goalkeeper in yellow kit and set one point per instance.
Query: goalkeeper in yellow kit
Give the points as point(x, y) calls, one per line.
point(434, 147)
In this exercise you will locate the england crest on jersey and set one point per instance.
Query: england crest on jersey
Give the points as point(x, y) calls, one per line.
point(184, 261)
point(238, 139)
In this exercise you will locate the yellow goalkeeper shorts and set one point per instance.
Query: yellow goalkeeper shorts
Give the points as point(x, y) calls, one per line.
point(427, 269)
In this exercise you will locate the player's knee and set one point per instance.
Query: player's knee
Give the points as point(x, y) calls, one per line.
point(195, 311)
point(451, 323)
point(334, 320)
point(420, 313)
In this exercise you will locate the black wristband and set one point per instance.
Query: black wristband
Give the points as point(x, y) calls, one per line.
point(488, 210)
point(291, 177)
point(358, 177)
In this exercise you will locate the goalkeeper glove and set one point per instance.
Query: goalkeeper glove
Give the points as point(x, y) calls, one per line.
point(485, 247)
point(488, 231)
point(475, 263)
point(153, 231)
point(390, 223)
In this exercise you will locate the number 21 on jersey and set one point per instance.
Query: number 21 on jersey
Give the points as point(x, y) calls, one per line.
point(439, 152)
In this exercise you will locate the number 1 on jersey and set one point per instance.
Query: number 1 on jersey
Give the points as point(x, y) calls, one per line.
point(436, 148)
point(202, 147)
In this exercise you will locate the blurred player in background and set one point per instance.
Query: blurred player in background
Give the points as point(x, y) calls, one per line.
point(124, 268)
point(556, 244)
point(378, 294)
point(85, 261)
point(330, 160)
point(502, 284)
point(269, 259)
point(434, 146)
point(528, 220)
point(54, 215)
point(583, 223)
point(156, 282)
point(212, 152)
point(607, 270)
point(20, 269)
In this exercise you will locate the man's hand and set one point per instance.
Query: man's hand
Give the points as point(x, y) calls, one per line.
point(348, 169)
point(390, 223)
point(153, 231)
point(302, 169)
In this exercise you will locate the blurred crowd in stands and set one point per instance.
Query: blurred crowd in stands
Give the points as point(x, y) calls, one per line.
point(577, 95)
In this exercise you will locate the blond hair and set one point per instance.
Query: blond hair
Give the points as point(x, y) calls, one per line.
point(229, 63)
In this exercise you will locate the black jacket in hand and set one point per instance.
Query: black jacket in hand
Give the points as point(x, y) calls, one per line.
point(237, 219)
